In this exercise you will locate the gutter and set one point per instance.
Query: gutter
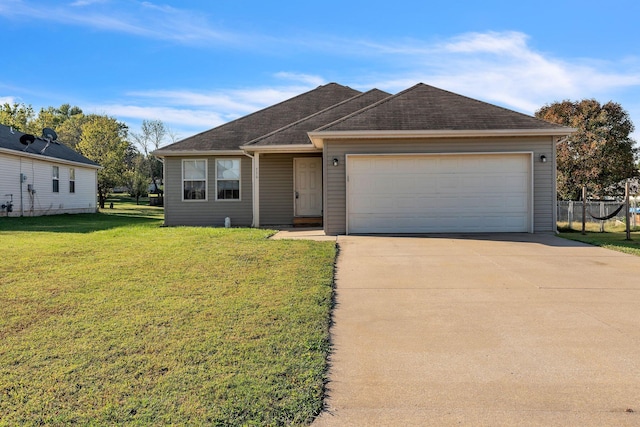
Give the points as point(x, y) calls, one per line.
point(199, 153)
point(290, 148)
point(44, 158)
point(318, 137)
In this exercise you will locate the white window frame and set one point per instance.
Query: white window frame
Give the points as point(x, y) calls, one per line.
point(72, 179)
point(55, 178)
point(206, 180)
point(239, 160)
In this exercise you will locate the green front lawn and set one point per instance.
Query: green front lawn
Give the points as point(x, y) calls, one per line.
point(110, 319)
point(615, 240)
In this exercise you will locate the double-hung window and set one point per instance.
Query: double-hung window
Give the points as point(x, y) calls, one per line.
point(227, 179)
point(194, 179)
point(72, 180)
point(55, 175)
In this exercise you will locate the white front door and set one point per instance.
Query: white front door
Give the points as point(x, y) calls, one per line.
point(307, 184)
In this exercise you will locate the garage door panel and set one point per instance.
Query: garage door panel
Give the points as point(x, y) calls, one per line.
point(444, 193)
point(407, 203)
point(437, 224)
point(382, 185)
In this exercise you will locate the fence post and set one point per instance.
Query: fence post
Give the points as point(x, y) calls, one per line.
point(602, 214)
point(570, 214)
point(584, 208)
point(626, 210)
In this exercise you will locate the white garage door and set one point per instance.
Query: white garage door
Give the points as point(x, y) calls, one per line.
point(439, 193)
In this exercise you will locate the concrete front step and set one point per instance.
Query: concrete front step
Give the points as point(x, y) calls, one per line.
point(307, 221)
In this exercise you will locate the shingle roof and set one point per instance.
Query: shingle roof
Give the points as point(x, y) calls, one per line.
point(424, 107)
point(10, 140)
point(296, 133)
point(230, 136)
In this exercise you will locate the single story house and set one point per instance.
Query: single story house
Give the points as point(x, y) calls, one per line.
point(40, 176)
point(422, 161)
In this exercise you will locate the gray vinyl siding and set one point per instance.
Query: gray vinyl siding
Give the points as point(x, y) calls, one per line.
point(276, 188)
point(211, 212)
point(543, 173)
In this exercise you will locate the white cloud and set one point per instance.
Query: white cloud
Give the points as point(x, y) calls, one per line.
point(80, 3)
point(7, 100)
point(184, 117)
point(499, 67)
point(227, 103)
point(144, 19)
point(189, 111)
point(496, 67)
point(492, 42)
point(307, 79)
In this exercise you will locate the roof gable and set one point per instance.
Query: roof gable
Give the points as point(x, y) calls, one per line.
point(232, 135)
point(10, 140)
point(424, 107)
point(296, 133)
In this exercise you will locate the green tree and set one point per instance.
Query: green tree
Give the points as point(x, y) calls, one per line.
point(137, 178)
point(104, 140)
point(70, 131)
point(52, 117)
point(600, 155)
point(17, 115)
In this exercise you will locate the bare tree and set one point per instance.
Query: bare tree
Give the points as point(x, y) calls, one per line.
point(151, 137)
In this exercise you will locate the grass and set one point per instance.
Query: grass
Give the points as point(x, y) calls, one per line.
point(613, 238)
point(110, 319)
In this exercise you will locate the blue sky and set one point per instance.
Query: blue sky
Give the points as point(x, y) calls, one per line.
point(197, 64)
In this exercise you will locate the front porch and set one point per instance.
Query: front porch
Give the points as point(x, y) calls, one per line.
point(288, 189)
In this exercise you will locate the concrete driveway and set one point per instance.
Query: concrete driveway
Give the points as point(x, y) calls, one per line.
point(502, 330)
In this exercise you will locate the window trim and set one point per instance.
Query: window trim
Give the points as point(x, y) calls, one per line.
point(206, 179)
point(239, 159)
point(55, 179)
point(72, 180)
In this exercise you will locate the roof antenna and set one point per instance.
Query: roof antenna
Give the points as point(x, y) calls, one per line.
point(50, 136)
point(27, 139)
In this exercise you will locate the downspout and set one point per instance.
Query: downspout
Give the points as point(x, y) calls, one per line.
point(21, 202)
point(555, 182)
point(255, 184)
point(325, 180)
point(164, 188)
point(21, 182)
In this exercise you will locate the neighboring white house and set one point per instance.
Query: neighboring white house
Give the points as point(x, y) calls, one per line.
point(41, 177)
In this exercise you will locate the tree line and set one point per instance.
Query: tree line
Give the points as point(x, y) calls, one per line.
point(125, 156)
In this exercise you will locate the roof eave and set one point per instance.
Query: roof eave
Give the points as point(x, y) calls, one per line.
point(182, 153)
point(284, 148)
point(44, 157)
point(318, 137)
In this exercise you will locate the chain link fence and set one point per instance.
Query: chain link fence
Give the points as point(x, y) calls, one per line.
point(570, 213)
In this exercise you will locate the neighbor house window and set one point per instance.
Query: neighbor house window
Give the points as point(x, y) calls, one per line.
point(72, 180)
point(228, 179)
point(56, 179)
point(194, 179)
